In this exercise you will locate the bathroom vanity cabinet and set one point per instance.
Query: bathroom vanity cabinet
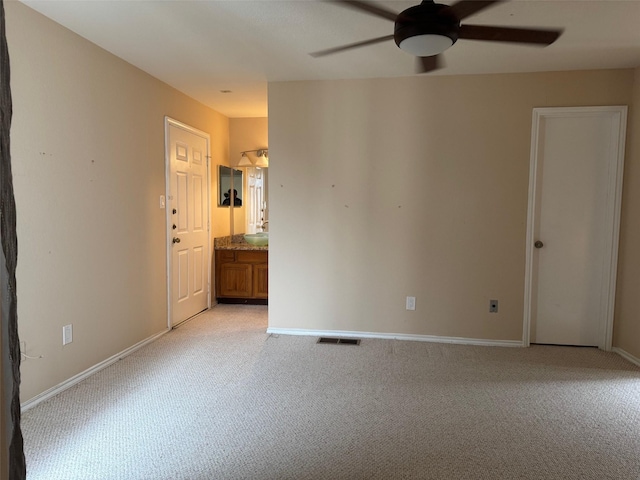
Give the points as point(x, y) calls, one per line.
point(242, 276)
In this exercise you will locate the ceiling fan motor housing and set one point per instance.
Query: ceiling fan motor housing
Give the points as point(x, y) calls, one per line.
point(428, 18)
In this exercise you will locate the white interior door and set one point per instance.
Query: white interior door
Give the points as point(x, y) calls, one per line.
point(574, 205)
point(255, 201)
point(188, 221)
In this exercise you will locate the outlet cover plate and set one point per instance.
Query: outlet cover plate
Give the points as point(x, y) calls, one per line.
point(493, 306)
point(411, 303)
point(67, 334)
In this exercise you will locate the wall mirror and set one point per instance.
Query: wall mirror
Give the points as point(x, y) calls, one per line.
point(230, 183)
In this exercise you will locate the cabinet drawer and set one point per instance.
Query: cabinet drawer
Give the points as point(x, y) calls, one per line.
point(227, 255)
point(251, 256)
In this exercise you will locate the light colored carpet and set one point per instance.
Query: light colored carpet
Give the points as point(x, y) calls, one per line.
point(218, 398)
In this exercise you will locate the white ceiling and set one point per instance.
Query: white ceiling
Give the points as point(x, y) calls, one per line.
point(204, 47)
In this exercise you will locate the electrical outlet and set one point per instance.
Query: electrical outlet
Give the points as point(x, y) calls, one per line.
point(411, 303)
point(493, 306)
point(67, 334)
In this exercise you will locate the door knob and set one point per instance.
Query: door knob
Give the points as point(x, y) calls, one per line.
point(538, 244)
point(176, 240)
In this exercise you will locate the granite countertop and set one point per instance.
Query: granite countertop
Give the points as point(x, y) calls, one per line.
point(235, 242)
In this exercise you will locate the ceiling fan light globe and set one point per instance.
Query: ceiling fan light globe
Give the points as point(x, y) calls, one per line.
point(425, 45)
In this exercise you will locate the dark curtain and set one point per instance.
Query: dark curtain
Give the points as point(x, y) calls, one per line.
point(9, 258)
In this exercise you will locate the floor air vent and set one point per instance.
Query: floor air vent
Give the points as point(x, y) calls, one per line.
point(339, 341)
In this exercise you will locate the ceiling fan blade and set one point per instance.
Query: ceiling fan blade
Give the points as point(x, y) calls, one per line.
point(466, 8)
point(369, 8)
point(428, 64)
point(350, 46)
point(508, 34)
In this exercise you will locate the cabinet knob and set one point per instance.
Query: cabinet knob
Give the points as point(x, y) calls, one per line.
point(538, 244)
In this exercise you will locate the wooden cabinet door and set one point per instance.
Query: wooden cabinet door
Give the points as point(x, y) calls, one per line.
point(261, 281)
point(236, 280)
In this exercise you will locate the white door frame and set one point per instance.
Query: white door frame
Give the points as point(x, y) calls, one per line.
point(169, 122)
point(612, 222)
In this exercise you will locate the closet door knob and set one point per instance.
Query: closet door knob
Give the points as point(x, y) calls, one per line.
point(538, 244)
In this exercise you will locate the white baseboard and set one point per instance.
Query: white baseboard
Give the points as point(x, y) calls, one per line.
point(395, 336)
point(53, 391)
point(626, 355)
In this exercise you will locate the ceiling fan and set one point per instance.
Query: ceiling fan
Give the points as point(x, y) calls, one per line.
point(428, 29)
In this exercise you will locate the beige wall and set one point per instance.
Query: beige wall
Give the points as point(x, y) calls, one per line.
point(247, 134)
point(416, 186)
point(627, 319)
point(88, 153)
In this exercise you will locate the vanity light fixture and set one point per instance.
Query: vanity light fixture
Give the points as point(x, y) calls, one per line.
point(262, 160)
point(244, 161)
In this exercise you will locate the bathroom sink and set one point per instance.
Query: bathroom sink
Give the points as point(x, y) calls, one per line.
point(259, 239)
